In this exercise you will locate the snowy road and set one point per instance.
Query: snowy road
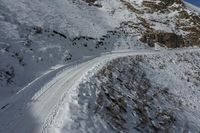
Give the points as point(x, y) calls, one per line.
point(34, 109)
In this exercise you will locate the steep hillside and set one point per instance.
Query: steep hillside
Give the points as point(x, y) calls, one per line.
point(99, 66)
point(145, 93)
point(37, 35)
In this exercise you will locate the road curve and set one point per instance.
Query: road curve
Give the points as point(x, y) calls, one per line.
point(33, 110)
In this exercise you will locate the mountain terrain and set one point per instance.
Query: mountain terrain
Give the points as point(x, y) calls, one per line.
point(99, 66)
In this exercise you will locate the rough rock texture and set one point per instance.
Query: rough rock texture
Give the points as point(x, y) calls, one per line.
point(171, 2)
point(131, 104)
point(170, 40)
point(145, 94)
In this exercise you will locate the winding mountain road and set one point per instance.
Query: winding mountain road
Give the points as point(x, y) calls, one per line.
point(33, 109)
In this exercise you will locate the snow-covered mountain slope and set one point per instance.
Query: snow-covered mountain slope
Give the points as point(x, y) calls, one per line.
point(37, 35)
point(146, 91)
point(33, 108)
point(39, 88)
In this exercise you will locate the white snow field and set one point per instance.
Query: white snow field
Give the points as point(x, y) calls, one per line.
point(79, 66)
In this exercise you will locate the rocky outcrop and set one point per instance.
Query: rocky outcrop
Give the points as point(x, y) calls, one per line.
point(163, 4)
point(93, 3)
point(187, 25)
point(190, 23)
point(154, 6)
point(131, 7)
point(171, 2)
point(170, 40)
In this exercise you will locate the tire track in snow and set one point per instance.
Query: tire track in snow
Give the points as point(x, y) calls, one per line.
point(47, 102)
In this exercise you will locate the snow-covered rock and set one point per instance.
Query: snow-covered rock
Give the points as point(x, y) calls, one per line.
point(144, 93)
point(43, 45)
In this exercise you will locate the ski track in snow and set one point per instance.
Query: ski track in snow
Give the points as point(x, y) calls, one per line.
point(36, 107)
